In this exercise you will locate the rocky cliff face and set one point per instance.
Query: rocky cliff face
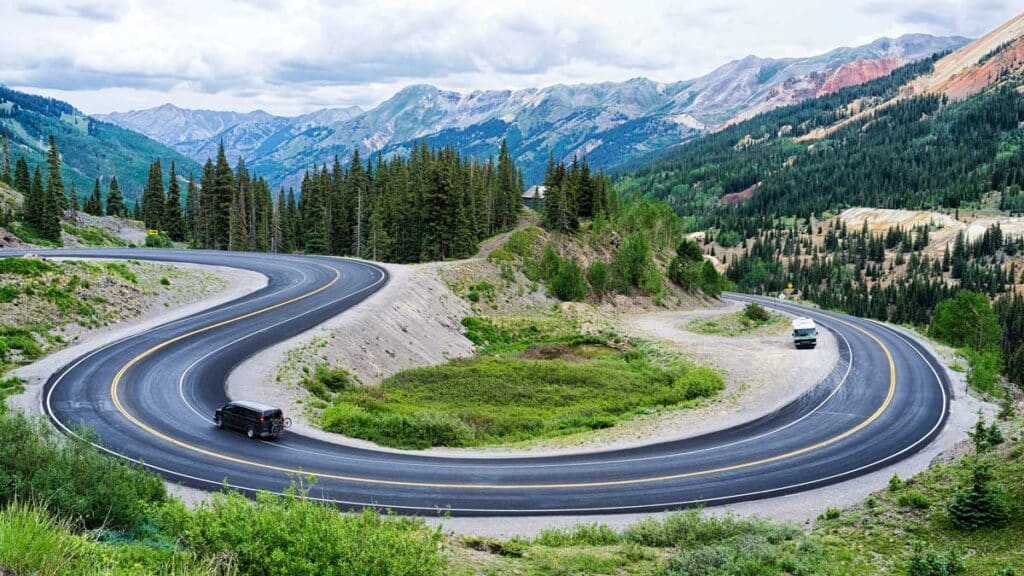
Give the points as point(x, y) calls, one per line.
point(611, 123)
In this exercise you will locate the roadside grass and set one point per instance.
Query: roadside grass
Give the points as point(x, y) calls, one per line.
point(682, 543)
point(737, 324)
point(69, 509)
point(879, 535)
point(902, 529)
point(535, 378)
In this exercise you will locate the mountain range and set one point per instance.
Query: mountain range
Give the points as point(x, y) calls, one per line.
point(610, 123)
point(89, 148)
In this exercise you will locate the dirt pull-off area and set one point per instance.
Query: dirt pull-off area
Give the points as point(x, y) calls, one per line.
point(763, 371)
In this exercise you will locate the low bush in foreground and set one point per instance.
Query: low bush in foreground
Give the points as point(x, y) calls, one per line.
point(289, 535)
point(34, 541)
point(71, 477)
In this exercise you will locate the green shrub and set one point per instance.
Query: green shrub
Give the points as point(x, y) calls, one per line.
point(158, 241)
point(913, 500)
point(499, 255)
point(567, 283)
point(728, 239)
point(521, 242)
point(121, 269)
point(412, 431)
point(164, 281)
point(928, 562)
point(32, 541)
point(508, 273)
point(689, 528)
point(689, 251)
point(14, 338)
point(980, 504)
point(24, 266)
point(9, 293)
point(966, 320)
point(634, 265)
point(756, 312)
point(579, 535)
point(986, 365)
point(64, 473)
point(699, 382)
point(830, 513)
point(599, 278)
point(291, 535)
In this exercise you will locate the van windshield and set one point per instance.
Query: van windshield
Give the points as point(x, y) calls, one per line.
point(801, 332)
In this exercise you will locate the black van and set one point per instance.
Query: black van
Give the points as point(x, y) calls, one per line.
point(256, 420)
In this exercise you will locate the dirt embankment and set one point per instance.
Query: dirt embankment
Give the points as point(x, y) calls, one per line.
point(415, 320)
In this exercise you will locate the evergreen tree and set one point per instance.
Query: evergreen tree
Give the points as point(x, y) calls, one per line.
point(238, 237)
point(173, 223)
point(94, 204)
point(358, 192)
point(115, 201)
point(153, 198)
point(277, 226)
point(57, 200)
point(22, 179)
point(5, 174)
point(191, 215)
point(222, 195)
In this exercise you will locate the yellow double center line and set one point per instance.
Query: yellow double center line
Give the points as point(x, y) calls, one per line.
point(115, 383)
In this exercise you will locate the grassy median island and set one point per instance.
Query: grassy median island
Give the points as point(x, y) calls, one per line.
point(534, 378)
point(754, 319)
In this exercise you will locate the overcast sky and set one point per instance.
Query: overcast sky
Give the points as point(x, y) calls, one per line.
point(294, 56)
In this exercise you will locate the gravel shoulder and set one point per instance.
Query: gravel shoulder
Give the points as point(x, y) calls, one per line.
point(225, 284)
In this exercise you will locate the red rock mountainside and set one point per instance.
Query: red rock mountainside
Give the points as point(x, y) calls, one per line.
point(859, 72)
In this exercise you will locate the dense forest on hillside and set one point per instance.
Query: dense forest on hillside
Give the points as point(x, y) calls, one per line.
point(433, 205)
point(920, 152)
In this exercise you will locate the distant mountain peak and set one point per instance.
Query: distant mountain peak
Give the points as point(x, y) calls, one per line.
point(611, 122)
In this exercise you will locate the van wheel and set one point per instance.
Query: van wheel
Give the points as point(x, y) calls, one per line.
point(218, 422)
point(250, 433)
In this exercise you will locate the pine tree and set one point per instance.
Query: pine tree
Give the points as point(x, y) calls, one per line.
point(277, 226)
point(94, 204)
point(57, 200)
point(153, 198)
point(173, 223)
point(357, 191)
point(5, 174)
point(191, 215)
point(115, 201)
point(238, 237)
point(222, 193)
point(22, 179)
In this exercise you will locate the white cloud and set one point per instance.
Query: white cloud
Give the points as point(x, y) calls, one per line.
point(292, 56)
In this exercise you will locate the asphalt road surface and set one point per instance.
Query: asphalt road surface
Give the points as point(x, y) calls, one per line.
point(151, 399)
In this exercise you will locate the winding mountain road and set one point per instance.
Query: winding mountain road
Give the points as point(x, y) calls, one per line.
point(151, 397)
